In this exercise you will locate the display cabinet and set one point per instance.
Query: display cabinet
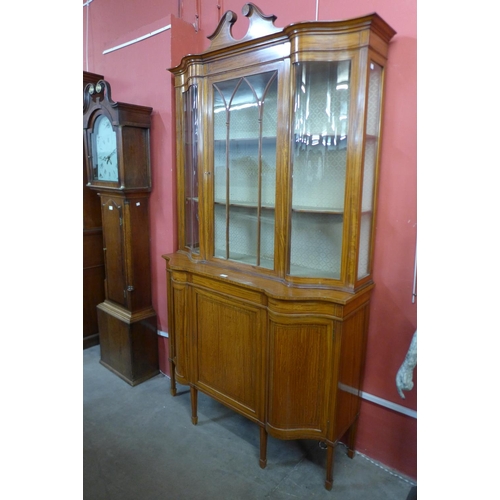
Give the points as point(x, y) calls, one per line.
point(278, 140)
point(117, 154)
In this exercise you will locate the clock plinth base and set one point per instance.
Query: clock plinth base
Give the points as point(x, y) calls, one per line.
point(129, 342)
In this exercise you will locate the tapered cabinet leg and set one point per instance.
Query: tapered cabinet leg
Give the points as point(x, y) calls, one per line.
point(194, 405)
point(351, 439)
point(263, 448)
point(173, 385)
point(329, 467)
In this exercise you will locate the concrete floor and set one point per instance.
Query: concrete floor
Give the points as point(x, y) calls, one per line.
point(139, 444)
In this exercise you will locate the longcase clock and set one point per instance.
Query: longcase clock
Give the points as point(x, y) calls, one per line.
point(93, 260)
point(116, 142)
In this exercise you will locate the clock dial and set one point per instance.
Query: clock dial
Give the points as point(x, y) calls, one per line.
point(105, 160)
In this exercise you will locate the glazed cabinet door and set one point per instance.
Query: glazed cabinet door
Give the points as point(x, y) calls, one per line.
point(228, 351)
point(319, 159)
point(245, 116)
point(232, 148)
point(301, 373)
point(188, 203)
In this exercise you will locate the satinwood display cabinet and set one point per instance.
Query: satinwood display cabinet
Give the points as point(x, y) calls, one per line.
point(117, 153)
point(278, 141)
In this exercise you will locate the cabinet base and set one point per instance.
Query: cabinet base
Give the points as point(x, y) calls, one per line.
point(129, 343)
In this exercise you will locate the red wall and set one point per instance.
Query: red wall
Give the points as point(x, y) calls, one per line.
point(138, 74)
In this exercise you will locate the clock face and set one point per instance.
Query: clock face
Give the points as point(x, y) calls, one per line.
point(105, 160)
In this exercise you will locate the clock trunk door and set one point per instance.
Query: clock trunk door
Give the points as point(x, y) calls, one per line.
point(112, 222)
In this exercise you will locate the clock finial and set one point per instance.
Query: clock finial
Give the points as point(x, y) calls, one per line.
point(102, 86)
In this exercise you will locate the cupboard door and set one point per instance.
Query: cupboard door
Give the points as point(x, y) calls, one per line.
point(228, 352)
point(112, 223)
point(137, 259)
point(300, 375)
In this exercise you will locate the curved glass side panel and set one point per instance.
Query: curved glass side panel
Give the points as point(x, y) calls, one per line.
point(191, 201)
point(319, 159)
point(369, 167)
point(245, 126)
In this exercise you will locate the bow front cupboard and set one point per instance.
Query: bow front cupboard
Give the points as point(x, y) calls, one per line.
point(278, 140)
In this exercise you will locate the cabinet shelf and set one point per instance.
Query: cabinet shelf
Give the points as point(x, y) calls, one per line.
point(302, 209)
point(324, 140)
point(318, 210)
point(242, 204)
point(246, 258)
point(296, 270)
point(266, 141)
point(332, 142)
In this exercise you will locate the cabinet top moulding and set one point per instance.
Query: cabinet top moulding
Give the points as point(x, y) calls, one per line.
point(335, 302)
point(370, 30)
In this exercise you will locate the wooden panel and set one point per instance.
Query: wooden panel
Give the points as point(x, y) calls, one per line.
point(115, 343)
point(300, 370)
point(93, 284)
point(92, 248)
point(138, 258)
point(309, 43)
point(352, 353)
point(226, 287)
point(91, 204)
point(112, 220)
point(144, 347)
point(93, 280)
point(178, 323)
point(228, 351)
point(93, 259)
point(135, 143)
point(128, 348)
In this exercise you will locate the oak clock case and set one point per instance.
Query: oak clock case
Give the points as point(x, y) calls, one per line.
point(116, 144)
point(278, 138)
point(93, 258)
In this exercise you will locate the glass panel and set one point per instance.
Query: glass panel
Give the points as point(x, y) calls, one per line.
point(190, 101)
point(245, 113)
point(370, 161)
point(104, 157)
point(317, 247)
point(319, 159)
